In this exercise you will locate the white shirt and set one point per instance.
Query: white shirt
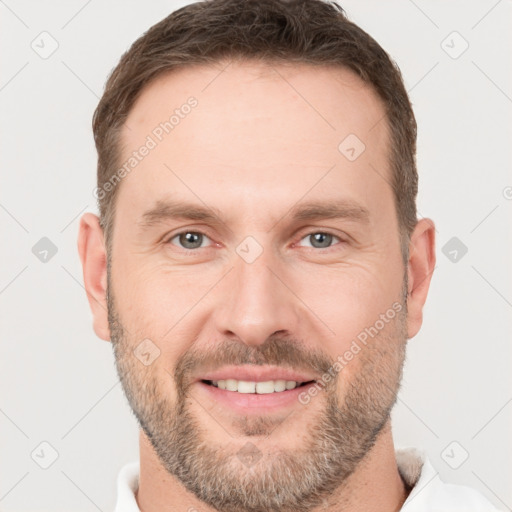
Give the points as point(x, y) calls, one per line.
point(429, 492)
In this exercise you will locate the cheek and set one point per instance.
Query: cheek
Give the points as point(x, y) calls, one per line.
point(155, 300)
point(347, 301)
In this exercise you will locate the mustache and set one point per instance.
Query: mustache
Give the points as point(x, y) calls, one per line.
point(276, 351)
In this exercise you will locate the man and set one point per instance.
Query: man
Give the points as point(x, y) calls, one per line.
point(258, 264)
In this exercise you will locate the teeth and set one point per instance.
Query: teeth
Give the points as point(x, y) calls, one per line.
point(242, 386)
point(265, 387)
point(246, 387)
point(279, 385)
point(231, 385)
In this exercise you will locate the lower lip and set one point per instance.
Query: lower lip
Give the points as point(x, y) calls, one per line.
point(247, 403)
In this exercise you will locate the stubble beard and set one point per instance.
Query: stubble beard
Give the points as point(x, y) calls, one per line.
point(335, 441)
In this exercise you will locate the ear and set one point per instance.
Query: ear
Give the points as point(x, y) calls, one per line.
point(421, 264)
point(93, 256)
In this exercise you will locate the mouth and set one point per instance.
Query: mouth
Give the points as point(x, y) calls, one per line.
point(250, 391)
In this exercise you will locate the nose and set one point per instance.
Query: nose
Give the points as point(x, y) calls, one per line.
point(256, 302)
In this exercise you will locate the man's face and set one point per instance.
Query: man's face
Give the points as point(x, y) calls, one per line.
point(269, 288)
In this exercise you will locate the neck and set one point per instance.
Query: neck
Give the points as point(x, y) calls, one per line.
point(375, 484)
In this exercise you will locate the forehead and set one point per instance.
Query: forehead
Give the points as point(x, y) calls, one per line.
point(327, 101)
point(273, 131)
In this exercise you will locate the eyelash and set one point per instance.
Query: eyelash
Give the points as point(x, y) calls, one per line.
point(316, 249)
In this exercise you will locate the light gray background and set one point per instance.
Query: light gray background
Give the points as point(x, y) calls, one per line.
point(58, 382)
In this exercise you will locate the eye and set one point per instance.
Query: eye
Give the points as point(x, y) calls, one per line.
point(189, 240)
point(320, 240)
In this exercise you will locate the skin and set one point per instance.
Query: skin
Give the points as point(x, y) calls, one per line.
point(253, 149)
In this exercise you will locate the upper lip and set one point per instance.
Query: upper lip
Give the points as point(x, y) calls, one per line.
point(251, 373)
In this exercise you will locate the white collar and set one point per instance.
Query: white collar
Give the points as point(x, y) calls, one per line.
point(429, 492)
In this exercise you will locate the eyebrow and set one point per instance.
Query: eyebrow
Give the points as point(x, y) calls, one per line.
point(315, 210)
point(332, 209)
point(168, 210)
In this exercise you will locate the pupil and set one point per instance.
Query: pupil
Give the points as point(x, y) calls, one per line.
point(321, 240)
point(191, 240)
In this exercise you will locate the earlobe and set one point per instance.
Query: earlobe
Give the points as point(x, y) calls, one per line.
point(421, 264)
point(91, 248)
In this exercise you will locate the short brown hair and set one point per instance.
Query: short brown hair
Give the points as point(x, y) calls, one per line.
point(304, 31)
